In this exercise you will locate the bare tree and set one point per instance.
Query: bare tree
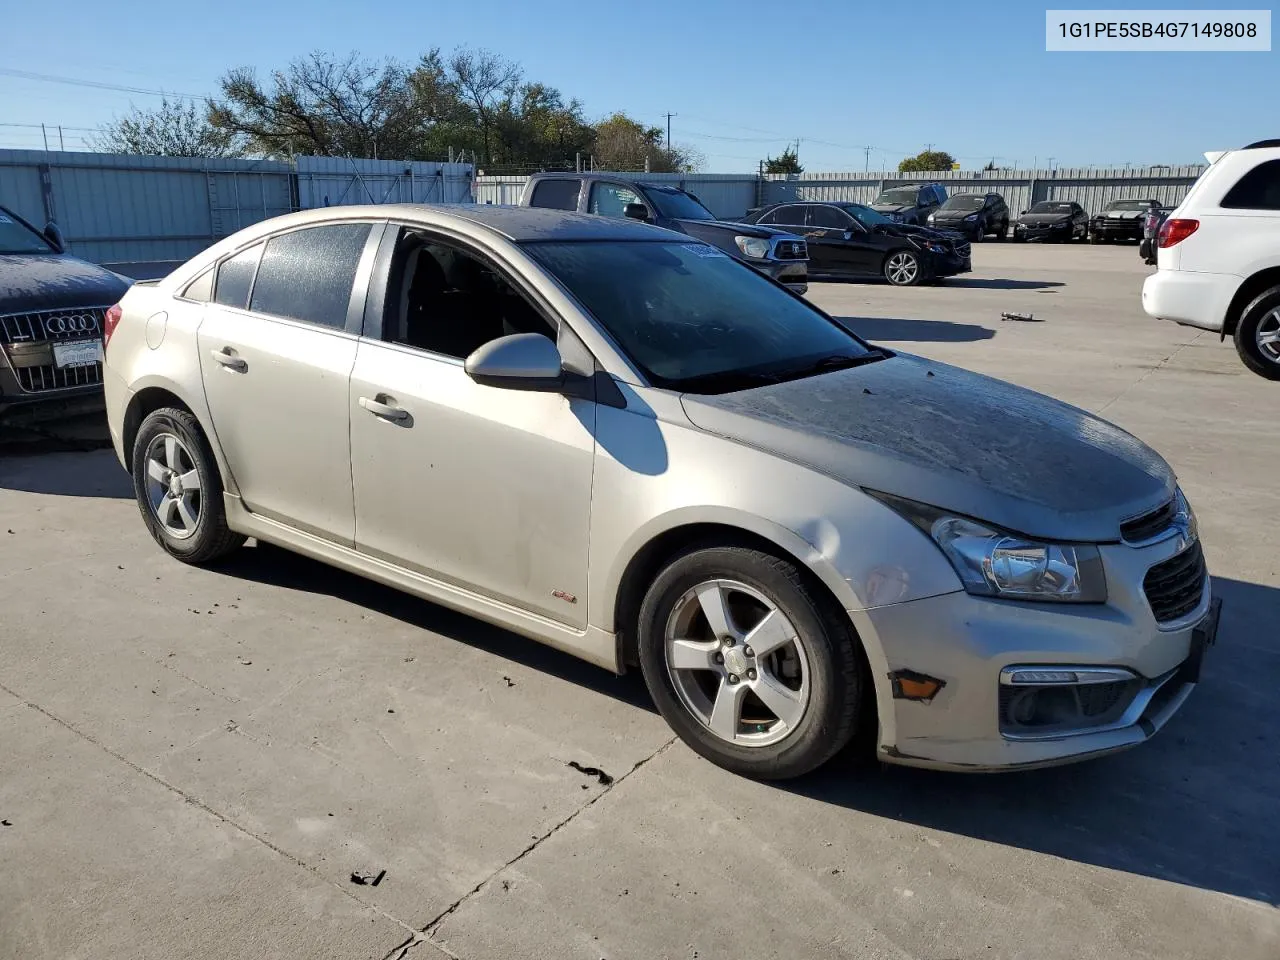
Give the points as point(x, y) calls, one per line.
point(173, 129)
point(483, 80)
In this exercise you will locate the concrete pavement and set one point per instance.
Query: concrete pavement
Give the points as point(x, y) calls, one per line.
point(194, 762)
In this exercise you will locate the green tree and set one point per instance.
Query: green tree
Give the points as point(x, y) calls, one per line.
point(173, 129)
point(625, 144)
point(927, 161)
point(788, 162)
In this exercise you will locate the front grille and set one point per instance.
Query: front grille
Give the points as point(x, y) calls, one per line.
point(27, 340)
point(1174, 587)
point(1149, 525)
point(791, 250)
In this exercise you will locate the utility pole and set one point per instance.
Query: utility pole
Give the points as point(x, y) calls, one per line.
point(1051, 164)
point(866, 159)
point(45, 133)
point(62, 144)
point(669, 116)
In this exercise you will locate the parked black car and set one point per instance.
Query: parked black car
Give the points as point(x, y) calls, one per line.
point(777, 253)
point(973, 214)
point(911, 202)
point(1120, 220)
point(1057, 221)
point(852, 240)
point(1155, 216)
point(51, 316)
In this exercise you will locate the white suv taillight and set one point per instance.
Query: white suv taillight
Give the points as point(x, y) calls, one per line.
point(1175, 231)
point(109, 323)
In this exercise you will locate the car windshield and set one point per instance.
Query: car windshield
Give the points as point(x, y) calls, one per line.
point(17, 237)
point(898, 195)
point(676, 204)
point(1049, 207)
point(1128, 205)
point(693, 319)
point(972, 202)
point(865, 215)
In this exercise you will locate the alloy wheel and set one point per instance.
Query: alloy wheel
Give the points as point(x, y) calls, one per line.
point(173, 486)
point(1268, 336)
point(903, 268)
point(737, 663)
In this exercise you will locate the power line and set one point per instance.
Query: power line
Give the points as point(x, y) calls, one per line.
point(97, 84)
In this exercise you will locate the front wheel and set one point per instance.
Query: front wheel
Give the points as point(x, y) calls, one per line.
point(179, 489)
point(1094, 238)
point(1257, 335)
point(902, 268)
point(979, 234)
point(751, 665)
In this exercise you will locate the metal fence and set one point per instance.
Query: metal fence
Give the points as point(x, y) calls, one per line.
point(731, 195)
point(113, 208)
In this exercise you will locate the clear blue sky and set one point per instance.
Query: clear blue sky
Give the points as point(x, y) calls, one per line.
point(742, 77)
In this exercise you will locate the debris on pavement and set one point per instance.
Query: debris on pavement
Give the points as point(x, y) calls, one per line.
point(510, 682)
point(603, 778)
point(6, 823)
point(1029, 317)
point(367, 879)
point(243, 662)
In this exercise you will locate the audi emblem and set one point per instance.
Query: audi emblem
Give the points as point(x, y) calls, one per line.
point(74, 324)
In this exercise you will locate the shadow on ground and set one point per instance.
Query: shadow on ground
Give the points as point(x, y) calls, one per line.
point(263, 563)
point(983, 283)
point(920, 331)
point(1195, 805)
point(46, 466)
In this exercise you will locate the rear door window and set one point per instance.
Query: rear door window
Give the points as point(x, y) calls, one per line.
point(828, 217)
point(308, 274)
point(556, 194)
point(1259, 189)
point(792, 215)
point(235, 278)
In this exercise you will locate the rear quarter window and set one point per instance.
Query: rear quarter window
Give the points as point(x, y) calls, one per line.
point(1259, 189)
point(235, 277)
point(556, 194)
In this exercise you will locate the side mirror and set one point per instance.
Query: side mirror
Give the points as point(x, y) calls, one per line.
point(636, 211)
point(522, 361)
point(54, 236)
point(1022, 213)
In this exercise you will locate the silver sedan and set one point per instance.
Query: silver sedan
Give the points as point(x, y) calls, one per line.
point(620, 442)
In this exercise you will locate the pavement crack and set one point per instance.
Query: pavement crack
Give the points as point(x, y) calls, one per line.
point(434, 925)
point(1157, 367)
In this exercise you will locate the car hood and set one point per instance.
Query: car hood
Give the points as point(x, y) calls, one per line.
point(954, 214)
point(891, 207)
point(46, 281)
point(957, 440)
point(926, 233)
point(692, 227)
point(1043, 219)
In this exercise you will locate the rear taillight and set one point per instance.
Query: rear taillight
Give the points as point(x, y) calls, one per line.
point(1175, 231)
point(109, 323)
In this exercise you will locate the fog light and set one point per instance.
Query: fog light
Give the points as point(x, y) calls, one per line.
point(1043, 676)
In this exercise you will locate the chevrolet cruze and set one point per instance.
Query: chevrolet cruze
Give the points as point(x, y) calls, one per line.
point(618, 441)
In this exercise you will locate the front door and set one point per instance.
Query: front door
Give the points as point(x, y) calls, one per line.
point(480, 487)
point(276, 357)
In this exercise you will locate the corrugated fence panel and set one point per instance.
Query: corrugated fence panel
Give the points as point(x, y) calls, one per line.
point(332, 181)
point(499, 191)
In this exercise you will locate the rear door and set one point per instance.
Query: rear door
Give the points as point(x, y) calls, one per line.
point(833, 246)
point(277, 344)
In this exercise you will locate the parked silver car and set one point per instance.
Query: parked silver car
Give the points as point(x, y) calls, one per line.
point(618, 441)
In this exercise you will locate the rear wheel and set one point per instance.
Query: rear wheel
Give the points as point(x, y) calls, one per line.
point(751, 665)
point(1257, 335)
point(178, 488)
point(902, 268)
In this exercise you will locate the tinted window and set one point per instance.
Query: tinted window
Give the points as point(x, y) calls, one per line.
point(792, 215)
point(970, 201)
point(1259, 189)
point(829, 217)
point(1128, 205)
point(689, 316)
point(677, 204)
point(201, 288)
point(899, 195)
point(611, 199)
point(15, 237)
point(556, 194)
point(865, 215)
point(1052, 206)
point(235, 277)
point(307, 274)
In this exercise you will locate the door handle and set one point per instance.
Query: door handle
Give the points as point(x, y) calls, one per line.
point(387, 411)
point(227, 357)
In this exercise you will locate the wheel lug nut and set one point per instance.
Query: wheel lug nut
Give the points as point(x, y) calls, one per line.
point(719, 658)
point(728, 641)
point(733, 678)
point(748, 652)
point(751, 674)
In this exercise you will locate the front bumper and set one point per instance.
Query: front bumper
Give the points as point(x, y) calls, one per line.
point(1190, 297)
point(966, 641)
point(945, 265)
point(793, 273)
point(1051, 232)
point(1118, 230)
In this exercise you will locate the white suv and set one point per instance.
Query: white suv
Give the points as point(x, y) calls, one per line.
point(1219, 256)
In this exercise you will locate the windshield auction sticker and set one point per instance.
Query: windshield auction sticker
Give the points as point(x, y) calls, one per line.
point(1149, 31)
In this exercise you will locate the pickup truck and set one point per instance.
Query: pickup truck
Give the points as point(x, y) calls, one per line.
point(775, 253)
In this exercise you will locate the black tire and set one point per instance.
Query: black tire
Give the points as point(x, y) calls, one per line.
point(1002, 231)
point(979, 234)
point(837, 673)
point(906, 279)
point(210, 538)
point(1094, 238)
point(1257, 313)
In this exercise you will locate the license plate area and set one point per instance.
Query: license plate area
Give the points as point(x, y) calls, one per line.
point(77, 353)
point(1204, 634)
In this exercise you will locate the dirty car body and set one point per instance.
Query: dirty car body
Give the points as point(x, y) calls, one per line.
point(793, 533)
point(51, 308)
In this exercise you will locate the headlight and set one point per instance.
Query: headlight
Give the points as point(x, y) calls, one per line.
point(932, 218)
point(972, 216)
point(994, 563)
point(931, 245)
point(755, 247)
